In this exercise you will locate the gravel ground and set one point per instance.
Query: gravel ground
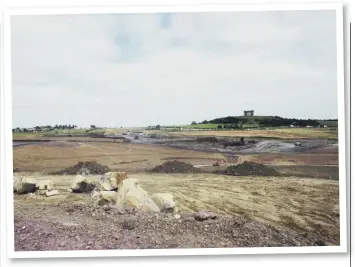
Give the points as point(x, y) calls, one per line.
point(82, 226)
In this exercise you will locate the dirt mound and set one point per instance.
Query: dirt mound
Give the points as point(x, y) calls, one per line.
point(86, 167)
point(175, 167)
point(250, 168)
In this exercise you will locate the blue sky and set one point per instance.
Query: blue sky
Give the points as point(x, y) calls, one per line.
point(145, 69)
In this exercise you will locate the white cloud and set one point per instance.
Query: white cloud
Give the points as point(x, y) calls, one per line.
point(127, 70)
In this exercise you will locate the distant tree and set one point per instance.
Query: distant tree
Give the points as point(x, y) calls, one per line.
point(193, 123)
point(92, 126)
point(157, 127)
point(219, 127)
point(204, 122)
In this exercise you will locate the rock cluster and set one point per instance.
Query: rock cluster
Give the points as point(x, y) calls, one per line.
point(26, 185)
point(114, 191)
point(117, 191)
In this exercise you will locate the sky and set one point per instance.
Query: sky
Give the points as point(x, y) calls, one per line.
point(127, 70)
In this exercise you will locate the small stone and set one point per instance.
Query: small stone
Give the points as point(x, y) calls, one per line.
point(52, 193)
point(234, 233)
point(128, 225)
point(320, 243)
point(204, 215)
point(106, 207)
point(177, 216)
point(93, 214)
point(23, 227)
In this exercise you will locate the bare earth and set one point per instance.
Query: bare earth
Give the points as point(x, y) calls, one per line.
point(139, 157)
point(252, 211)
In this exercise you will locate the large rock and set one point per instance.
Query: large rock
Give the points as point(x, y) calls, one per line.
point(24, 185)
point(165, 201)
point(111, 180)
point(81, 185)
point(131, 195)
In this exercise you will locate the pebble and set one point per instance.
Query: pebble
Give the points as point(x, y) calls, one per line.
point(177, 216)
point(128, 225)
point(23, 227)
point(106, 208)
point(204, 215)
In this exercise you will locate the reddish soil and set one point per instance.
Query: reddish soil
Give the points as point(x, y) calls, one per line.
point(69, 226)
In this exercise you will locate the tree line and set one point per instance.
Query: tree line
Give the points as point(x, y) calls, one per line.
point(46, 128)
point(275, 121)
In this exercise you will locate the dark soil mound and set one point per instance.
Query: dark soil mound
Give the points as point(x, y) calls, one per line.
point(175, 167)
point(248, 168)
point(87, 167)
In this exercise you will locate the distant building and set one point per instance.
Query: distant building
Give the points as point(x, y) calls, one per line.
point(249, 113)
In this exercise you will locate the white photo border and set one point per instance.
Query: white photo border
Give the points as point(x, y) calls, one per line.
point(8, 160)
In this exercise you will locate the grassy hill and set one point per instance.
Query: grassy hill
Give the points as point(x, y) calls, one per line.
point(243, 122)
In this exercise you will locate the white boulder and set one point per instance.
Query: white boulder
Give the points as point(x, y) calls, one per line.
point(24, 185)
point(165, 201)
point(111, 180)
point(131, 195)
point(81, 185)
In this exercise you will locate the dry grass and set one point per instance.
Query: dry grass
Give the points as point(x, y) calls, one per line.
point(300, 204)
point(300, 133)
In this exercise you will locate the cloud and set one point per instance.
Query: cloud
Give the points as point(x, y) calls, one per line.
point(145, 69)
